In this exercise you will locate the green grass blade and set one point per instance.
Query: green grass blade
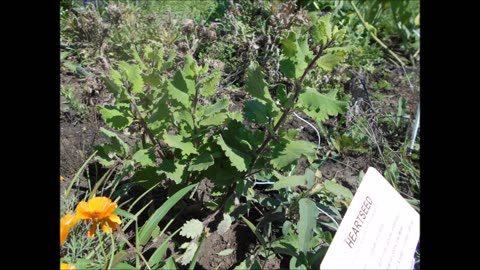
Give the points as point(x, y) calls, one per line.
point(169, 264)
point(79, 172)
point(100, 182)
point(136, 216)
point(123, 266)
point(124, 213)
point(255, 231)
point(112, 254)
point(141, 196)
point(152, 222)
point(119, 257)
point(158, 254)
point(197, 252)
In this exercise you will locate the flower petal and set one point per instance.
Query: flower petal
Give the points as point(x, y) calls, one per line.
point(69, 220)
point(101, 207)
point(110, 208)
point(112, 224)
point(106, 227)
point(83, 211)
point(66, 223)
point(63, 235)
point(114, 218)
point(66, 266)
point(93, 229)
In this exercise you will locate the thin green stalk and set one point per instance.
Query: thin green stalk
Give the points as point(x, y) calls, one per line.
point(100, 240)
point(374, 36)
point(147, 130)
point(194, 114)
point(141, 196)
point(93, 252)
point(137, 248)
point(102, 180)
point(89, 185)
point(79, 172)
point(194, 189)
point(136, 215)
point(116, 180)
point(197, 252)
point(113, 251)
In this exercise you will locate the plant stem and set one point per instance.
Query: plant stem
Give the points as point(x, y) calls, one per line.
point(288, 110)
point(101, 181)
point(211, 217)
point(79, 172)
point(147, 130)
point(113, 252)
point(194, 113)
point(125, 238)
point(197, 252)
point(374, 36)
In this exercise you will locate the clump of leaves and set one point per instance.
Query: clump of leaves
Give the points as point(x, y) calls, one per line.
point(188, 132)
point(72, 103)
point(383, 85)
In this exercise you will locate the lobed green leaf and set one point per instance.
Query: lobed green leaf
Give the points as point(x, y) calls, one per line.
point(288, 181)
point(201, 162)
point(117, 116)
point(176, 141)
point(293, 151)
point(238, 159)
point(320, 106)
point(146, 157)
point(192, 228)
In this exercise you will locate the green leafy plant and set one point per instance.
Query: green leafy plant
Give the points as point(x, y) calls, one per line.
point(73, 104)
point(201, 111)
point(383, 85)
point(301, 200)
point(186, 135)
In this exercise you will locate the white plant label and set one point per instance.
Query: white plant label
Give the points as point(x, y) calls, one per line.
point(380, 229)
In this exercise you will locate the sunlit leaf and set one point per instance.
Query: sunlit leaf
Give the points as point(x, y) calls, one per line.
point(238, 159)
point(192, 228)
point(293, 151)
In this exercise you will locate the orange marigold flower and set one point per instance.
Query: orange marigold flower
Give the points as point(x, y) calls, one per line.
point(61, 178)
point(99, 210)
point(66, 266)
point(66, 223)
